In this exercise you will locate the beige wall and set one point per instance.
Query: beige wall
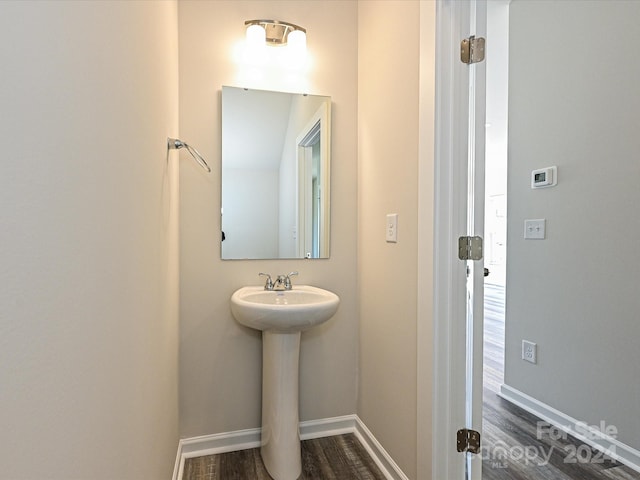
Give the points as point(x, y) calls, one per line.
point(364, 361)
point(89, 299)
point(220, 362)
point(89, 317)
point(388, 172)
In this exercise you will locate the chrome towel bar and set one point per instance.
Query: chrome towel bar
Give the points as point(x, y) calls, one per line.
point(175, 144)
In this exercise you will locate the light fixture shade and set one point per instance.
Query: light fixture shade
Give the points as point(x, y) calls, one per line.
point(263, 35)
point(274, 32)
point(256, 36)
point(297, 40)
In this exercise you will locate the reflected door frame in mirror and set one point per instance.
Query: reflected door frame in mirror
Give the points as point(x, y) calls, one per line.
point(313, 186)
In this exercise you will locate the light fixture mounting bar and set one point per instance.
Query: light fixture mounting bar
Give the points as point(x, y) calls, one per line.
point(276, 30)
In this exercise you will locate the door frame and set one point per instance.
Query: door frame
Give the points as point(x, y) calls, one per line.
point(317, 129)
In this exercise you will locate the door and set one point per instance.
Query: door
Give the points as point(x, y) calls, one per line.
point(460, 113)
point(474, 294)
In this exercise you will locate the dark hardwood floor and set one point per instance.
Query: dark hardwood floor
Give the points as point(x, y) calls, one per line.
point(511, 447)
point(340, 457)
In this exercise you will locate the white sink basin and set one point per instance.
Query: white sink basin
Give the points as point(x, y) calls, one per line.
point(282, 316)
point(285, 311)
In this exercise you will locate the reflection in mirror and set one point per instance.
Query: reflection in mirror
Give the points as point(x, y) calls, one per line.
point(275, 174)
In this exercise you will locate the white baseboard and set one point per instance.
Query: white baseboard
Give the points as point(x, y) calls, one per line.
point(593, 437)
point(384, 461)
point(214, 444)
point(326, 427)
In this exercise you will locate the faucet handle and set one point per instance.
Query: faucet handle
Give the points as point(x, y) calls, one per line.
point(287, 280)
point(269, 283)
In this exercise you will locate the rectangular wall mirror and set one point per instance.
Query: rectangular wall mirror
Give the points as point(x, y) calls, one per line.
point(275, 174)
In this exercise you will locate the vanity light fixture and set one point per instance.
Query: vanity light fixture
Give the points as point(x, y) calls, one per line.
point(275, 33)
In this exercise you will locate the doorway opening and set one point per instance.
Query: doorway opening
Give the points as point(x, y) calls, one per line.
point(495, 234)
point(517, 443)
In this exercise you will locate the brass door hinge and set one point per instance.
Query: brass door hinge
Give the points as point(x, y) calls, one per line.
point(468, 441)
point(472, 50)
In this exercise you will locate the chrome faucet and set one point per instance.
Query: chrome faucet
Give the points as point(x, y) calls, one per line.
point(269, 283)
point(282, 282)
point(287, 281)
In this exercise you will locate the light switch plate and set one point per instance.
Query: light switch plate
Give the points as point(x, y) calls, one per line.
point(535, 229)
point(392, 227)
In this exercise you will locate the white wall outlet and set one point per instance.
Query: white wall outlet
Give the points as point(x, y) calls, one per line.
point(529, 351)
point(392, 227)
point(535, 229)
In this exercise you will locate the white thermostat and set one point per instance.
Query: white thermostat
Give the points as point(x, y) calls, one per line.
point(544, 177)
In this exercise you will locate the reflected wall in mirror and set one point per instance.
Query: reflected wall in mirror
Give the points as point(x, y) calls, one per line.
point(275, 174)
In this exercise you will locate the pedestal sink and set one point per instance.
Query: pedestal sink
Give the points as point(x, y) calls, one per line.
point(282, 316)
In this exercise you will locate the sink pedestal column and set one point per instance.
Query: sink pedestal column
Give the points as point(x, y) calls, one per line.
point(280, 432)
